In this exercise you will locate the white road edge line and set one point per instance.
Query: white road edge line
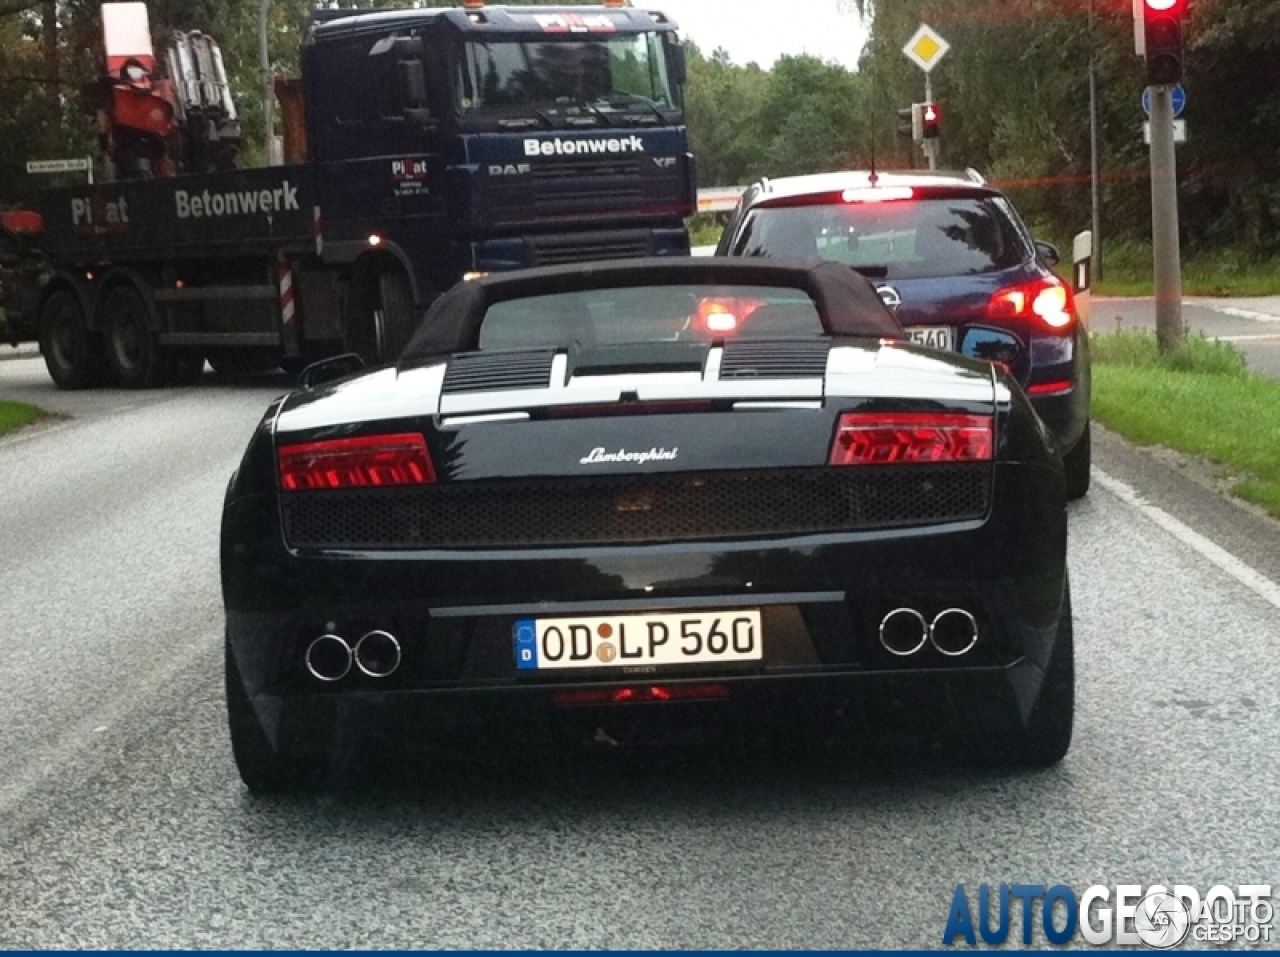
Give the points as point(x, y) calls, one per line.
point(1233, 311)
point(1256, 582)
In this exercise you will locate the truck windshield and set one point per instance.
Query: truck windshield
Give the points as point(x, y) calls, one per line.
point(604, 77)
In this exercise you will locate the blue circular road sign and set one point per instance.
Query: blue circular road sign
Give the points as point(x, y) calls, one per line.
point(1179, 100)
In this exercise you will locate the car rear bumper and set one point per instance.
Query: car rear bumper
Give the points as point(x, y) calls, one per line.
point(822, 600)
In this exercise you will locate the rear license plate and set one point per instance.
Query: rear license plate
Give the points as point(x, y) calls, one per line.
point(545, 644)
point(934, 337)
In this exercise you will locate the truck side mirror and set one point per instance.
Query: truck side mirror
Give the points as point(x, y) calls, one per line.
point(413, 94)
point(677, 64)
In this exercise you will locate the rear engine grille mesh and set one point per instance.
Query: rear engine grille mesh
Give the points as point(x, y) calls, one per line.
point(488, 371)
point(774, 359)
point(636, 509)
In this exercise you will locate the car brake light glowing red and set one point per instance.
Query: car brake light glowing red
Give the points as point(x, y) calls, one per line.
point(366, 461)
point(641, 693)
point(719, 315)
point(1049, 300)
point(892, 438)
point(876, 194)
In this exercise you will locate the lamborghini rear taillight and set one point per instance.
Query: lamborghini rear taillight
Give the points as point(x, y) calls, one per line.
point(366, 461)
point(1048, 300)
point(893, 438)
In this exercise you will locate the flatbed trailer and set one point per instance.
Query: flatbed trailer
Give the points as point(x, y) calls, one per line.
point(427, 156)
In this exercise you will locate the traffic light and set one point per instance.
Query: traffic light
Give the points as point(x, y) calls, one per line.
point(1162, 32)
point(930, 118)
point(906, 122)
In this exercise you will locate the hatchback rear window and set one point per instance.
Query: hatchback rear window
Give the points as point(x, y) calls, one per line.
point(916, 239)
point(649, 314)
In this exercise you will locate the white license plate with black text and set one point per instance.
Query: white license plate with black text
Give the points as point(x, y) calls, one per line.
point(934, 337)
point(665, 638)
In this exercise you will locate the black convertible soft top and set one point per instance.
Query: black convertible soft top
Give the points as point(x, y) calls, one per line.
point(847, 303)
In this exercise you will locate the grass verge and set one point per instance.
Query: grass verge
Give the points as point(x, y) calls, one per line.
point(14, 415)
point(1199, 399)
point(1127, 271)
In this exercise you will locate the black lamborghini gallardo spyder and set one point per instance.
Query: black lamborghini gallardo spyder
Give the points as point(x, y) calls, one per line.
point(594, 495)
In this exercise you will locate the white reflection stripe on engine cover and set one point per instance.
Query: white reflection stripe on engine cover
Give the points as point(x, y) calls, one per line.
point(891, 372)
point(385, 394)
point(651, 387)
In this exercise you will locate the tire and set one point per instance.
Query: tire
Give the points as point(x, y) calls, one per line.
point(133, 350)
point(263, 769)
point(72, 353)
point(1076, 465)
point(1046, 737)
point(381, 319)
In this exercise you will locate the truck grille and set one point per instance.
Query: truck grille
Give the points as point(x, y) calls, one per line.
point(636, 509)
point(585, 169)
point(550, 251)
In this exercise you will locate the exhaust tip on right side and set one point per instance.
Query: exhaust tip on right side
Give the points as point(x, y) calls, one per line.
point(953, 632)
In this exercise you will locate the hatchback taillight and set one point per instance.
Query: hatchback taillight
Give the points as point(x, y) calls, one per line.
point(892, 438)
point(366, 461)
point(1048, 300)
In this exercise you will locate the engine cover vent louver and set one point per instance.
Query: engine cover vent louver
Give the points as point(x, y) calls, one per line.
point(498, 371)
point(774, 359)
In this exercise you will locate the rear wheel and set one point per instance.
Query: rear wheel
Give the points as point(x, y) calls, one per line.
point(1076, 465)
point(133, 349)
point(382, 317)
point(263, 769)
point(71, 352)
point(1046, 737)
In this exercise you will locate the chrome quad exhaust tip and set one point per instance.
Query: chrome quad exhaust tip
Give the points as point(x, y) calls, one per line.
point(903, 632)
point(953, 632)
point(377, 654)
point(329, 658)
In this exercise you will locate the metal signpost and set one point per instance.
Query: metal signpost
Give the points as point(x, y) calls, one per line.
point(925, 48)
point(1164, 221)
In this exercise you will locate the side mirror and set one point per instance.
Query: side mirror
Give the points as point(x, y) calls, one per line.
point(1048, 253)
point(677, 64)
point(329, 370)
point(413, 94)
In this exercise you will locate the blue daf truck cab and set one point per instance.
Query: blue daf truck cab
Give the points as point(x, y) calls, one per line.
point(438, 143)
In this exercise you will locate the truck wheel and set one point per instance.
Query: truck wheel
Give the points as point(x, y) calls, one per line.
point(382, 318)
point(1076, 465)
point(133, 351)
point(71, 351)
point(263, 769)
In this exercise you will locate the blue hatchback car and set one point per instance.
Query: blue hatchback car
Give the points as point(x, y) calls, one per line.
point(951, 257)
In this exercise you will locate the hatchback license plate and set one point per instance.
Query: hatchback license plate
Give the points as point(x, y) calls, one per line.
point(544, 644)
point(934, 337)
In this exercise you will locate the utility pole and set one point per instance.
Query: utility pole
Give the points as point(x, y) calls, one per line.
point(1165, 249)
point(1094, 201)
point(268, 94)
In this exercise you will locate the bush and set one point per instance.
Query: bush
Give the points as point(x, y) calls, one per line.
point(1195, 354)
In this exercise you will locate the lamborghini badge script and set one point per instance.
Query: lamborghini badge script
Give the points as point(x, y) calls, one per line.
point(598, 455)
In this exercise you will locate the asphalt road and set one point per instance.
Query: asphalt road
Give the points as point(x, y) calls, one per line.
point(123, 824)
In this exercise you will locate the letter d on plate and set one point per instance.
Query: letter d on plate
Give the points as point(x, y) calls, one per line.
point(526, 634)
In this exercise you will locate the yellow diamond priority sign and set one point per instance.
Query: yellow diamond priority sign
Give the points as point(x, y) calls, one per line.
point(926, 48)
